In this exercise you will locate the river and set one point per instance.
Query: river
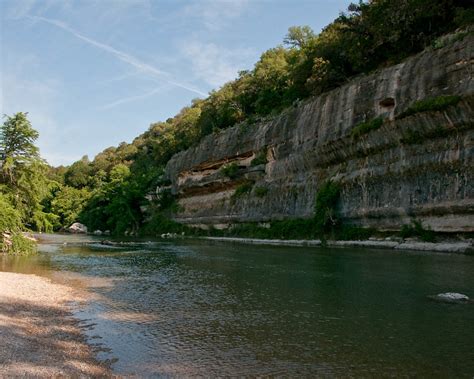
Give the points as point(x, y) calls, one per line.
point(200, 308)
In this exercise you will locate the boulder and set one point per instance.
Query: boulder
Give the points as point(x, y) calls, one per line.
point(451, 297)
point(77, 228)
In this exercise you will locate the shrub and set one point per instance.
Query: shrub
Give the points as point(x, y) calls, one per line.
point(159, 224)
point(19, 245)
point(326, 202)
point(416, 229)
point(366, 127)
point(433, 104)
point(230, 170)
point(261, 191)
point(260, 158)
point(242, 189)
point(353, 233)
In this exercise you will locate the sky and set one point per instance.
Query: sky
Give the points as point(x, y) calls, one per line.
point(94, 73)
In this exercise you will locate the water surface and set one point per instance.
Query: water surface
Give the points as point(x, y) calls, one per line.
point(202, 308)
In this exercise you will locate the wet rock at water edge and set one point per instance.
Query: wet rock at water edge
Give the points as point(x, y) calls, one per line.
point(77, 227)
point(451, 297)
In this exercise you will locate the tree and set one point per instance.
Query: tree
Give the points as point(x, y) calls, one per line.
point(23, 171)
point(299, 36)
point(17, 138)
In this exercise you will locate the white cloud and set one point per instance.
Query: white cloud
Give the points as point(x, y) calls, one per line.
point(213, 64)
point(214, 14)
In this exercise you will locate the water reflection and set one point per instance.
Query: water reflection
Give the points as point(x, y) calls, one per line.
point(194, 308)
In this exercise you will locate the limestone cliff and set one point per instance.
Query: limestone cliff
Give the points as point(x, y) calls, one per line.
point(419, 166)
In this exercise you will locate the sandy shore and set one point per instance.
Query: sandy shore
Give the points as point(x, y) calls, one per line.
point(39, 337)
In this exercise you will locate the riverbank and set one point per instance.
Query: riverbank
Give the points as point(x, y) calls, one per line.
point(42, 337)
point(446, 247)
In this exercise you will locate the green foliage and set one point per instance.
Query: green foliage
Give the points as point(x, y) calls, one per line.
point(416, 229)
point(353, 233)
point(18, 244)
point(260, 158)
point(243, 189)
point(159, 224)
point(10, 218)
point(439, 103)
point(18, 138)
point(11, 239)
point(231, 170)
point(23, 173)
point(79, 173)
point(284, 229)
point(68, 203)
point(366, 127)
point(261, 191)
point(326, 217)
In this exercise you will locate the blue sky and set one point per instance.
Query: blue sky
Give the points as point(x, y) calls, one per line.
point(94, 73)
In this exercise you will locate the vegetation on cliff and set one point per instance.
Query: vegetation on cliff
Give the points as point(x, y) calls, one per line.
point(116, 191)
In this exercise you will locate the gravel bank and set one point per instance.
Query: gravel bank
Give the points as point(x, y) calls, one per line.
point(446, 247)
point(39, 336)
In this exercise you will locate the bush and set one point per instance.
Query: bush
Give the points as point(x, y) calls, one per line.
point(326, 202)
point(416, 229)
point(260, 158)
point(244, 188)
point(261, 191)
point(354, 233)
point(160, 224)
point(12, 240)
point(18, 244)
point(434, 104)
point(366, 127)
point(230, 170)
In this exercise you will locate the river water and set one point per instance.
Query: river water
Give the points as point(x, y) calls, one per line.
point(196, 308)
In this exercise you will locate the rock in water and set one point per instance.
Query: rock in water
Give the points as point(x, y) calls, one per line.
point(77, 228)
point(451, 297)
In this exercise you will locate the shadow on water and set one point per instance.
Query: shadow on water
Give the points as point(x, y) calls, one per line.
point(200, 308)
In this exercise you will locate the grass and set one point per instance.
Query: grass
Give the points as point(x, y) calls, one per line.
point(433, 104)
point(366, 127)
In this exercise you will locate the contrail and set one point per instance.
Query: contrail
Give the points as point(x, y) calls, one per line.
point(131, 98)
point(124, 57)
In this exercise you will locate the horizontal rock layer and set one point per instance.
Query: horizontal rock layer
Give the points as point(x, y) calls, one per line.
point(420, 166)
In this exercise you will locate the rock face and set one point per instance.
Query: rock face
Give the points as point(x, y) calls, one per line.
point(77, 228)
point(420, 166)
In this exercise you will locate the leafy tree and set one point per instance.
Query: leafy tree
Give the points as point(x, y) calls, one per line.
point(23, 172)
point(79, 173)
point(17, 139)
point(68, 203)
